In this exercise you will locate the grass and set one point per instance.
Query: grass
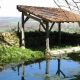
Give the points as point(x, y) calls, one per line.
point(13, 54)
point(17, 54)
point(60, 46)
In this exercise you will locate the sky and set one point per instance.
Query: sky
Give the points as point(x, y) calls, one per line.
point(8, 7)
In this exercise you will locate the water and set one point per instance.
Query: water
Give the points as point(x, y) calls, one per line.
point(50, 69)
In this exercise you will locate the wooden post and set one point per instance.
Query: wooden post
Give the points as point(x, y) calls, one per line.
point(18, 27)
point(23, 33)
point(47, 37)
point(59, 33)
point(39, 27)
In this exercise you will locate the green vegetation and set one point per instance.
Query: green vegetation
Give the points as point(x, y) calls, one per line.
point(15, 54)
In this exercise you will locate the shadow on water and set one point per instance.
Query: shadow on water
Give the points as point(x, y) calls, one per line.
point(45, 69)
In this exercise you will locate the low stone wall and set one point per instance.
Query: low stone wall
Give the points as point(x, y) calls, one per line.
point(37, 38)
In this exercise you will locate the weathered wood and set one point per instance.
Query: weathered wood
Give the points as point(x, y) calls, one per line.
point(23, 34)
point(26, 19)
point(47, 37)
point(50, 14)
point(59, 33)
point(43, 26)
point(33, 17)
point(18, 28)
point(51, 26)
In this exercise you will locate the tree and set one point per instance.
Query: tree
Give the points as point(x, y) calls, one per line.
point(72, 5)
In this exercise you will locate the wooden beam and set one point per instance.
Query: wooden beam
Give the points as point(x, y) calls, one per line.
point(27, 18)
point(51, 26)
point(59, 33)
point(34, 17)
point(43, 26)
point(23, 34)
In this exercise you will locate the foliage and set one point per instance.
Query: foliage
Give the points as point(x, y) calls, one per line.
point(12, 54)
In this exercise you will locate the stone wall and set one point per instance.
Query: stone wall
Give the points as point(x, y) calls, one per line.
point(9, 39)
point(37, 39)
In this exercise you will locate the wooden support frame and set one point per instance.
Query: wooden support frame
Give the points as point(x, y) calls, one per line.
point(45, 25)
point(47, 30)
point(51, 26)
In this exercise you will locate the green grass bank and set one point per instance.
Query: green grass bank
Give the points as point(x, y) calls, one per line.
point(16, 54)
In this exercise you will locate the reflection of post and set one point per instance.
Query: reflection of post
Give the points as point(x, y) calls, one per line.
point(39, 66)
point(22, 72)
point(59, 71)
point(47, 66)
point(18, 70)
point(47, 69)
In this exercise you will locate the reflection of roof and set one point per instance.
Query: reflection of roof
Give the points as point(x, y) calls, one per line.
point(50, 14)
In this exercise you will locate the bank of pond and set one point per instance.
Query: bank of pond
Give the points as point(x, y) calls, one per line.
point(65, 67)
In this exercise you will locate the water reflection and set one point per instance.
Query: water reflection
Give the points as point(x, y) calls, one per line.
point(59, 70)
point(22, 72)
point(43, 70)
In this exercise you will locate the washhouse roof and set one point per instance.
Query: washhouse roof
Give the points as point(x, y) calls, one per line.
point(49, 13)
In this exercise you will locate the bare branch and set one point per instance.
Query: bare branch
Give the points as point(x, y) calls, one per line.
point(72, 5)
point(60, 7)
